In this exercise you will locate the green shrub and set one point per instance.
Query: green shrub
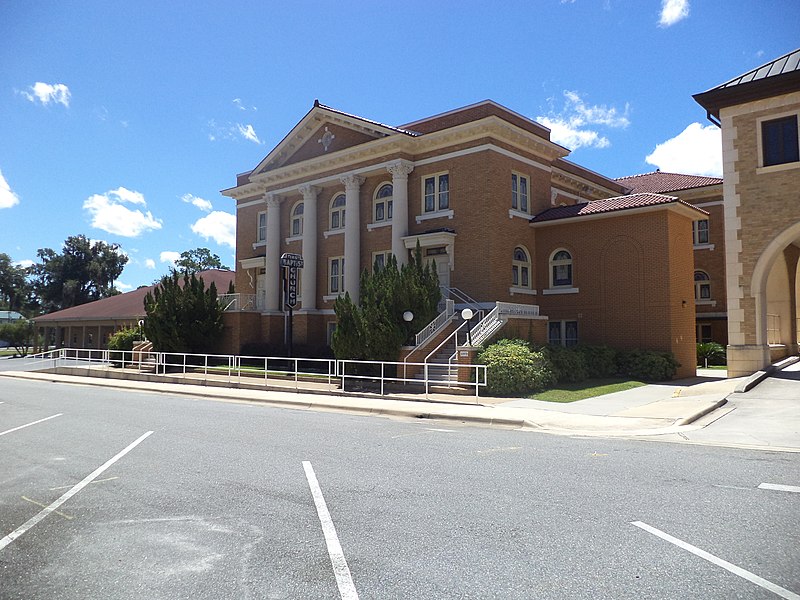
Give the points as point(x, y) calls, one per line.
point(569, 366)
point(712, 352)
point(513, 368)
point(600, 361)
point(124, 339)
point(647, 365)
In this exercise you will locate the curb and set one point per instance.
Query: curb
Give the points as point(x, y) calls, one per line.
point(702, 413)
point(759, 376)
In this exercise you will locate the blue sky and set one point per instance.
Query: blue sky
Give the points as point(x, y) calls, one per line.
point(123, 120)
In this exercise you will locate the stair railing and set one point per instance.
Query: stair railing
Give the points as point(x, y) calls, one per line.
point(432, 328)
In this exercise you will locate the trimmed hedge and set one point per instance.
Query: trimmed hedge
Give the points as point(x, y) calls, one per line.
point(513, 368)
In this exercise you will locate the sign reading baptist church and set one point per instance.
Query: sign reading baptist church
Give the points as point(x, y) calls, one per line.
point(293, 262)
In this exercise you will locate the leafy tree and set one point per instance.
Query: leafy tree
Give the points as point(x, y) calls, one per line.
point(15, 291)
point(710, 353)
point(375, 329)
point(199, 259)
point(85, 271)
point(19, 334)
point(183, 316)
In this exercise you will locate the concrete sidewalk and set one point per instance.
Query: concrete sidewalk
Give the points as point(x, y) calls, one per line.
point(648, 410)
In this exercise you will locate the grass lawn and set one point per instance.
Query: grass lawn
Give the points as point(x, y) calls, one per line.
point(570, 392)
point(718, 367)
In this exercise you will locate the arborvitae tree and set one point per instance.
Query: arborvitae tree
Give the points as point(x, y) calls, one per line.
point(375, 329)
point(183, 317)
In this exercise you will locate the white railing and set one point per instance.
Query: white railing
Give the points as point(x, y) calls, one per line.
point(509, 309)
point(488, 325)
point(432, 328)
point(237, 302)
point(277, 372)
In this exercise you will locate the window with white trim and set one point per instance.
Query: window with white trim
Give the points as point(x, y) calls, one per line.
point(261, 231)
point(561, 269)
point(331, 329)
point(336, 276)
point(297, 220)
point(521, 268)
point(380, 259)
point(519, 192)
point(382, 204)
point(702, 286)
point(337, 212)
point(700, 232)
point(779, 141)
point(562, 333)
point(436, 193)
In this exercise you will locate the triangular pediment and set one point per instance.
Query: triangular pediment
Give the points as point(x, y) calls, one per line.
point(321, 132)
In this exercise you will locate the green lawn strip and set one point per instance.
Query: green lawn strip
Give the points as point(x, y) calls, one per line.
point(717, 367)
point(570, 392)
point(248, 370)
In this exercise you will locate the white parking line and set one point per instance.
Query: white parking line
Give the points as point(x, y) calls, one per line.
point(759, 581)
point(75, 489)
point(779, 487)
point(29, 424)
point(340, 569)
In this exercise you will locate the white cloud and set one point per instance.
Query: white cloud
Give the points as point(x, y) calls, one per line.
point(248, 133)
point(24, 263)
point(673, 11)
point(150, 263)
point(46, 93)
point(219, 226)
point(169, 257)
point(697, 150)
point(572, 126)
point(124, 287)
point(7, 197)
point(200, 203)
point(109, 213)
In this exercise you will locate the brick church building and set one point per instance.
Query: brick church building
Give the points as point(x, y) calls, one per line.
point(509, 222)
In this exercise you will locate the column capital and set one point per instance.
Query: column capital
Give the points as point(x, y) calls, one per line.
point(352, 181)
point(309, 191)
point(272, 200)
point(400, 167)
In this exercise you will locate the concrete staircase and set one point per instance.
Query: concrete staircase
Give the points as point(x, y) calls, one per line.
point(439, 366)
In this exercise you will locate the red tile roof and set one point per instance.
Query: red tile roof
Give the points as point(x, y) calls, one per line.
point(128, 306)
point(618, 203)
point(659, 182)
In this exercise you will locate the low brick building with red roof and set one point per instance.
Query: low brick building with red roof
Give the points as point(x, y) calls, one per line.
point(90, 325)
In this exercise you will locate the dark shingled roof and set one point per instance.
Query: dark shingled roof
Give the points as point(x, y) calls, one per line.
point(130, 305)
point(618, 203)
point(659, 182)
point(779, 76)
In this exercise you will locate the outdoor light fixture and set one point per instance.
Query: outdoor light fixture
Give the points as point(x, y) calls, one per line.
point(467, 314)
point(408, 316)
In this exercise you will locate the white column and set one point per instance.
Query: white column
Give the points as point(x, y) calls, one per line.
point(309, 270)
point(352, 235)
point(273, 253)
point(400, 170)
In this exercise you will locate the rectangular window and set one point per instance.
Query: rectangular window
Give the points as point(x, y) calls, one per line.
point(336, 275)
point(700, 231)
point(562, 333)
point(704, 333)
point(519, 192)
point(262, 227)
point(515, 275)
point(379, 259)
point(436, 192)
point(779, 141)
point(562, 275)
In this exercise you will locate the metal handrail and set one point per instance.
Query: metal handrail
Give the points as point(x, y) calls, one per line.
point(479, 332)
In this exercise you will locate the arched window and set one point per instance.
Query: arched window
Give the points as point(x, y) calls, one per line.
point(521, 268)
point(561, 269)
point(337, 212)
point(383, 203)
point(702, 286)
point(297, 220)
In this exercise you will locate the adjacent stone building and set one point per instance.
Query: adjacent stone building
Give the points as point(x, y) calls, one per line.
point(759, 114)
point(492, 201)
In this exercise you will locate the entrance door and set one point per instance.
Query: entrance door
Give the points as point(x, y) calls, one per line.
point(443, 269)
